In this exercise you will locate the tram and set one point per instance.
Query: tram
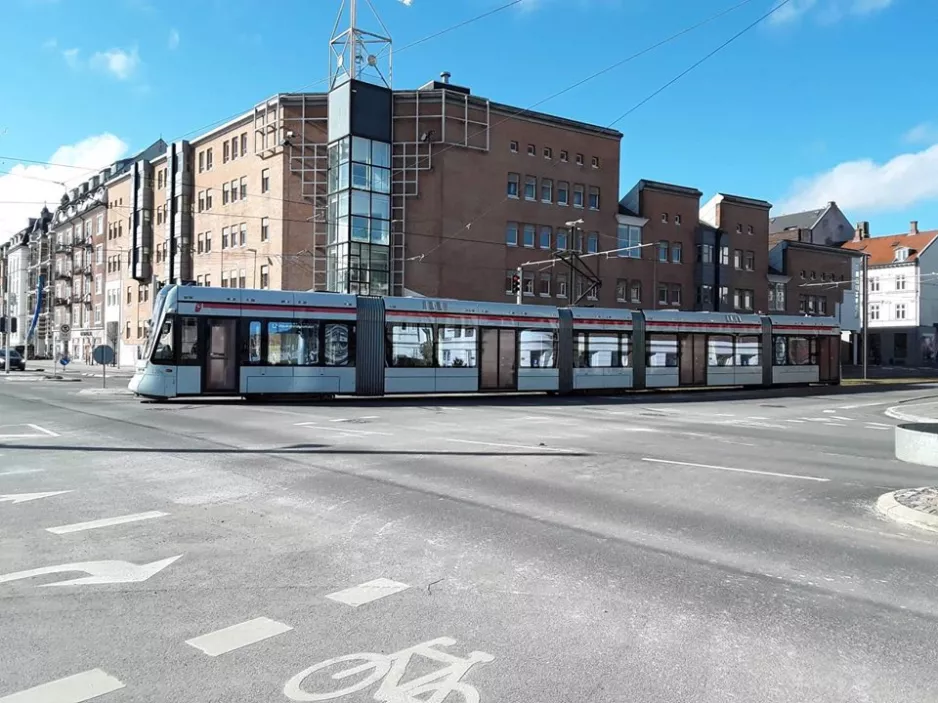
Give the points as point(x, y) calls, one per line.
point(254, 343)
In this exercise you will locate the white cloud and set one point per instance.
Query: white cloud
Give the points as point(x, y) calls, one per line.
point(408, 3)
point(119, 63)
point(827, 10)
point(50, 43)
point(173, 42)
point(924, 133)
point(902, 181)
point(71, 58)
point(32, 184)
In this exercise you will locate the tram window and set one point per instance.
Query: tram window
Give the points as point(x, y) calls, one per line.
point(410, 345)
point(794, 351)
point(748, 351)
point(625, 355)
point(293, 343)
point(456, 347)
point(163, 352)
point(603, 350)
point(662, 350)
point(253, 348)
point(189, 340)
point(581, 358)
point(720, 350)
point(338, 344)
point(537, 349)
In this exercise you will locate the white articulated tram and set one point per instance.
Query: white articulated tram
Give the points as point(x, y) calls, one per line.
point(254, 343)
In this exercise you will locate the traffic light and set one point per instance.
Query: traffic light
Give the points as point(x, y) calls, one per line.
point(516, 283)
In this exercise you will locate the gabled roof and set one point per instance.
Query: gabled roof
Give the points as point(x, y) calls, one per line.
point(881, 250)
point(796, 220)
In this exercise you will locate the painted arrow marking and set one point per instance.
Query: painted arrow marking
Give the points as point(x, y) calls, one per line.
point(98, 572)
point(26, 497)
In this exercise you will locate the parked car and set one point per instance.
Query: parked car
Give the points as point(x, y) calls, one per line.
point(16, 360)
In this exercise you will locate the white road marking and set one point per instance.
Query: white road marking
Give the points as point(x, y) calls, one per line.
point(368, 592)
point(830, 411)
point(32, 435)
point(879, 424)
point(72, 689)
point(800, 422)
point(756, 417)
point(237, 636)
point(98, 572)
point(510, 446)
point(835, 424)
point(729, 468)
point(26, 497)
point(877, 427)
point(104, 522)
point(840, 417)
point(348, 431)
point(17, 472)
point(863, 405)
point(43, 430)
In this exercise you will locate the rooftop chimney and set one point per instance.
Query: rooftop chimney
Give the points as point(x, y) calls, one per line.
point(831, 203)
point(445, 76)
point(862, 231)
point(913, 227)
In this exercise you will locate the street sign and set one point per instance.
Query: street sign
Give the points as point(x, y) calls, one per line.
point(64, 361)
point(65, 329)
point(103, 354)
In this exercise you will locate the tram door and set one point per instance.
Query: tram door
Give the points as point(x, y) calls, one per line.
point(498, 370)
point(221, 355)
point(693, 360)
point(828, 358)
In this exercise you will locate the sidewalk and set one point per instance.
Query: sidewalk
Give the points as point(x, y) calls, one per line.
point(79, 368)
point(915, 411)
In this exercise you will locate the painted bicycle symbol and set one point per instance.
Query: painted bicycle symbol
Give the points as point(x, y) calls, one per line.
point(392, 667)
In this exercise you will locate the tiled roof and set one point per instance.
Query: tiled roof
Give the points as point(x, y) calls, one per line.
point(796, 220)
point(882, 249)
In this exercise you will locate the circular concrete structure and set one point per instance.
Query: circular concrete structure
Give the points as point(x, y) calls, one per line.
point(917, 443)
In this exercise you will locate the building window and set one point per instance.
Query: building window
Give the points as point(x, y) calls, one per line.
point(544, 290)
point(724, 256)
point(561, 285)
point(622, 291)
point(200, 243)
point(676, 294)
point(628, 241)
point(874, 311)
point(513, 146)
point(511, 234)
point(739, 229)
point(563, 193)
point(704, 296)
point(548, 152)
point(241, 279)
point(208, 245)
point(874, 285)
point(738, 259)
point(561, 239)
point(822, 305)
point(547, 190)
point(208, 159)
point(530, 187)
point(244, 234)
point(676, 252)
point(244, 187)
point(664, 217)
point(594, 198)
point(564, 157)
point(529, 231)
point(130, 295)
point(749, 229)
point(900, 282)
point(225, 152)
point(777, 294)
point(201, 200)
point(265, 180)
point(750, 261)
point(677, 220)
point(224, 237)
point(513, 181)
point(234, 148)
point(527, 282)
point(244, 143)
point(532, 150)
point(99, 254)
point(663, 252)
point(545, 238)
point(265, 276)
point(234, 190)
point(201, 161)
point(208, 199)
point(635, 292)
point(902, 254)
point(705, 253)
point(594, 162)
point(265, 229)
point(662, 294)
point(577, 195)
point(900, 311)
point(592, 243)
point(579, 159)
point(225, 197)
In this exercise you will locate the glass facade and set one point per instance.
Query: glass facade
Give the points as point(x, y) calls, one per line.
point(359, 219)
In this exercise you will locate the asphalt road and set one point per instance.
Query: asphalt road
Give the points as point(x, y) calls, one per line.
point(655, 549)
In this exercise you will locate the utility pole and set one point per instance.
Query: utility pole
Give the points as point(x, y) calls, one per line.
point(866, 312)
point(6, 310)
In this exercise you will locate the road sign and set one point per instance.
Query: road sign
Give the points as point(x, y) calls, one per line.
point(64, 361)
point(103, 354)
point(98, 572)
point(65, 329)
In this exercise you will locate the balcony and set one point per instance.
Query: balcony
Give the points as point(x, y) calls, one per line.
point(63, 249)
point(61, 302)
point(87, 299)
point(63, 276)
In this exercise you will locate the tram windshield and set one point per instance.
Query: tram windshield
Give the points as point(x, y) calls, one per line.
point(159, 335)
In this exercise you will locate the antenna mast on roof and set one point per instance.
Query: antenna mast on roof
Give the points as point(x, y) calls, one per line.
point(358, 54)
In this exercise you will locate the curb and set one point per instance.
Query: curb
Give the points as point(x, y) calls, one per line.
point(105, 391)
point(889, 507)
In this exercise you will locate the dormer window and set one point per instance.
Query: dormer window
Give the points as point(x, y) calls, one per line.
point(902, 254)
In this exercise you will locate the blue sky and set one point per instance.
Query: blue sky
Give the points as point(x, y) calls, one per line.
point(828, 99)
